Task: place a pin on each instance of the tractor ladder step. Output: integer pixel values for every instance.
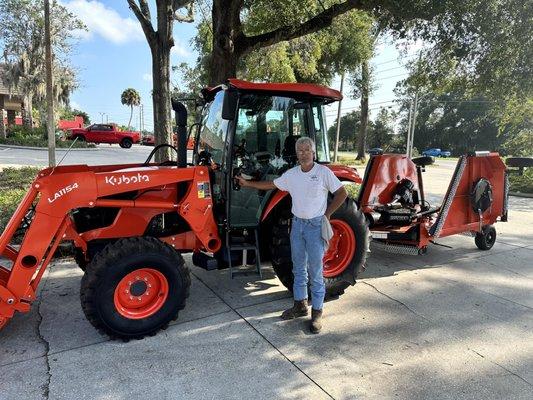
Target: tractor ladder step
(245, 240)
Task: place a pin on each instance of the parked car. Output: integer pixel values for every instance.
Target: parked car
(105, 133)
(375, 151)
(436, 153)
(149, 140)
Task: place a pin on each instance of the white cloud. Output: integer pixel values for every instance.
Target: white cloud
(147, 77)
(179, 50)
(105, 22)
(75, 105)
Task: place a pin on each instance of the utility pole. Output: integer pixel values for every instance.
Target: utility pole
(140, 119)
(50, 124)
(338, 122)
(409, 120)
(102, 115)
(413, 123)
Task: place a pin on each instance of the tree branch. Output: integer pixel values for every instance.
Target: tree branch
(143, 15)
(318, 22)
(189, 17)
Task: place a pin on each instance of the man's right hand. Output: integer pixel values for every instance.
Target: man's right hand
(242, 182)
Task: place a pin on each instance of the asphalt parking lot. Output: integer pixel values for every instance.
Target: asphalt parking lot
(456, 323)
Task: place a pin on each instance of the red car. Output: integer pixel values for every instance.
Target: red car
(149, 140)
(105, 133)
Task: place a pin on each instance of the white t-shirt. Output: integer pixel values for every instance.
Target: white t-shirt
(309, 190)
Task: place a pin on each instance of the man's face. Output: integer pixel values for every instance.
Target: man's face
(305, 154)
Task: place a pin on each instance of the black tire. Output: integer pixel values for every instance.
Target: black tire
(281, 250)
(80, 138)
(79, 257)
(111, 265)
(126, 143)
(486, 238)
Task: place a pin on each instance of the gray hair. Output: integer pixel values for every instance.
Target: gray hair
(305, 140)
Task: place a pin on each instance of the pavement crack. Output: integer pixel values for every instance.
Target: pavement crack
(266, 339)
(396, 301)
(502, 367)
(46, 386)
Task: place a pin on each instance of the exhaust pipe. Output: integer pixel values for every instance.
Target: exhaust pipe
(181, 133)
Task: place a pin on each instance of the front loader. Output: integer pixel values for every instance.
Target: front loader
(129, 224)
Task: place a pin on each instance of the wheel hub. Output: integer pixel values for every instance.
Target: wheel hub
(341, 249)
(141, 293)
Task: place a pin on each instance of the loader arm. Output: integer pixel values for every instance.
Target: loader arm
(58, 191)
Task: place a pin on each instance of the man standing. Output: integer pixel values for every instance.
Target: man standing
(308, 184)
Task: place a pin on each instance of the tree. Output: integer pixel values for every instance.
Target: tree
(349, 124)
(130, 97)
(160, 41)
(283, 20)
(22, 38)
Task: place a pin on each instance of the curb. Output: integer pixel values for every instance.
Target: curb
(518, 194)
(13, 146)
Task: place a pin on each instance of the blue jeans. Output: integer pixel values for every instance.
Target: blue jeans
(307, 248)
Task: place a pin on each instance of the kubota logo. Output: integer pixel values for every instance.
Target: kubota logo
(126, 180)
(61, 192)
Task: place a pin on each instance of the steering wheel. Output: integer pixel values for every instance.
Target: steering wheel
(204, 158)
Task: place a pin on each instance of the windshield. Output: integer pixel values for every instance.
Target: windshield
(272, 124)
(213, 129)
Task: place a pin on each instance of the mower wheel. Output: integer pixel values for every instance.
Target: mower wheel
(486, 238)
(134, 287)
(342, 261)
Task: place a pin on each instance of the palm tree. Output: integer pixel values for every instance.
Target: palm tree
(130, 97)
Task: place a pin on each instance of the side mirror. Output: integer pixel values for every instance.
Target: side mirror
(229, 105)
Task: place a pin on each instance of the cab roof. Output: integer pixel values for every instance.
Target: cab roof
(280, 89)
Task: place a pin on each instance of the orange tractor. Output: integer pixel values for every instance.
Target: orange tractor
(129, 224)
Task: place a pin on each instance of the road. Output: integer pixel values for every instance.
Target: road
(456, 323)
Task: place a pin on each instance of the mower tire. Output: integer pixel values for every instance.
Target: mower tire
(486, 238)
(134, 287)
(352, 225)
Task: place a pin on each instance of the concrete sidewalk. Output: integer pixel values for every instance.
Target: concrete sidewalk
(455, 324)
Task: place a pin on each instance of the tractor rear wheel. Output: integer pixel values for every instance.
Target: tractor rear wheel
(486, 238)
(134, 288)
(345, 257)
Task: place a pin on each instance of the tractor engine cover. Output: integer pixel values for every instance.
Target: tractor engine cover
(481, 195)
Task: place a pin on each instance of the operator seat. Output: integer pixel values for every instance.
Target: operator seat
(289, 149)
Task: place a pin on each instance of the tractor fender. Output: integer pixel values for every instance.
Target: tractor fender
(342, 172)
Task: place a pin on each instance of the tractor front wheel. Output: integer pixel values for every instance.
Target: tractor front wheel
(486, 238)
(134, 287)
(345, 257)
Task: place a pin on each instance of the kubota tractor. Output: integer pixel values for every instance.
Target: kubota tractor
(129, 224)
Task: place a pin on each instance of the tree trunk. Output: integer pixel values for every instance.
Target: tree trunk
(365, 87)
(226, 52)
(161, 98)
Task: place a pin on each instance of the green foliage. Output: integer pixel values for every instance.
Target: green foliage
(130, 97)
(353, 190)
(22, 40)
(522, 183)
(69, 114)
(14, 183)
(37, 137)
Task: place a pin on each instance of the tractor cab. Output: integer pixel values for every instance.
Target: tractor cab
(251, 129)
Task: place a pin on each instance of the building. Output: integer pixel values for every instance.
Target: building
(10, 104)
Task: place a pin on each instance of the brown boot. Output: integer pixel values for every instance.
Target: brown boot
(299, 309)
(316, 321)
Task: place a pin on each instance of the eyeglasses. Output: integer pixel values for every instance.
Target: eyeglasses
(304, 151)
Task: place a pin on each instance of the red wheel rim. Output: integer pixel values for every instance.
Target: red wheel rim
(341, 249)
(141, 293)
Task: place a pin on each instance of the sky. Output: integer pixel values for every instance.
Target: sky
(113, 55)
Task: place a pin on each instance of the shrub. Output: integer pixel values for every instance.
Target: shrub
(522, 183)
